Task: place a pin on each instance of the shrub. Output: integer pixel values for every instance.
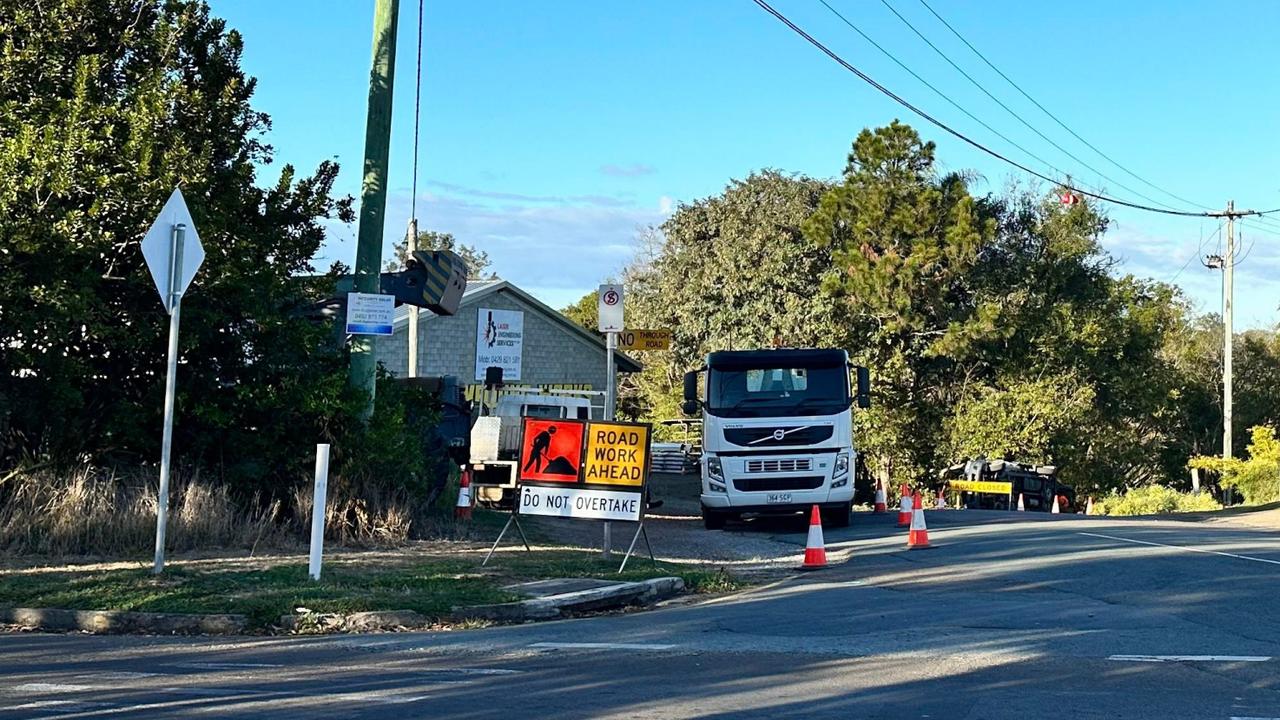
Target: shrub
(1155, 500)
(1257, 478)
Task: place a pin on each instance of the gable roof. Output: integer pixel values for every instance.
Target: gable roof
(477, 290)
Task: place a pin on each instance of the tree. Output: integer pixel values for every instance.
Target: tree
(585, 312)
(108, 106)
(905, 242)
(478, 261)
(731, 271)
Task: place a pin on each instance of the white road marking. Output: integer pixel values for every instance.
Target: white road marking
(119, 675)
(1233, 717)
(1190, 658)
(1183, 547)
(62, 706)
(600, 646)
(228, 666)
(41, 687)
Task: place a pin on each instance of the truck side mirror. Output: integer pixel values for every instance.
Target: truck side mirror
(690, 404)
(863, 398)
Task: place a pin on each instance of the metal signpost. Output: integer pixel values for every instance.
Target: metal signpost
(590, 470)
(609, 317)
(173, 253)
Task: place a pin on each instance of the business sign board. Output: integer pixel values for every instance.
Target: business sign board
(609, 308)
(982, 486)
(499, 342)
(644, 340)
(370, 314)
(583, 469)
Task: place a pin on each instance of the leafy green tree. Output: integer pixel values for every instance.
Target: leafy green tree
(105, 107)
(584, 312)
(731, 271)
(478, 262)
(906, 242)
(1258, 477)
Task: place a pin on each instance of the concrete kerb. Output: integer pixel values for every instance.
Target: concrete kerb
(119, 621)
(559, 605)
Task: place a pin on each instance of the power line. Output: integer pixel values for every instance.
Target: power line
(941, 94)
(1267, 222)
(1010, 110)
(1052, 116)
(957, 134)
(1195, 256)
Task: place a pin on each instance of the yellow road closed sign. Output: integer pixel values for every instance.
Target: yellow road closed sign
(645, 340)
(616, 454)
(982, 486)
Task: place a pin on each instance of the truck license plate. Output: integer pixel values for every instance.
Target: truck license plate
(778, 498)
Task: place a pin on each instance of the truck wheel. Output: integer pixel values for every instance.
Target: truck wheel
(712, 520)
(837, 517)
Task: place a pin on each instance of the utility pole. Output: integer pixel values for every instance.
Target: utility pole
(1228, 263)
(411, 246)
(1228, 328)
(373, 189)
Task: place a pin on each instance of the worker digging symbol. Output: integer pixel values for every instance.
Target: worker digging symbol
(551, 450)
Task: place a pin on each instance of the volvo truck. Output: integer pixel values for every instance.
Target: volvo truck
(777, 432)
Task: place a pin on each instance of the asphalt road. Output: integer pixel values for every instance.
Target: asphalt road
(1042, 618)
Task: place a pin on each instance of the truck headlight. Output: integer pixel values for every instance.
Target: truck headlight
(840, 476)
(715, 475)
(842, 465)
(715, 470)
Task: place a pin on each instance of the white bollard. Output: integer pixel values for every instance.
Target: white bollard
(318, 500)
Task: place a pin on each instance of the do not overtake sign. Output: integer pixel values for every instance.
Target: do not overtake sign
(589, 470)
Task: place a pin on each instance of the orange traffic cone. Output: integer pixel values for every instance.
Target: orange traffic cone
(1088, 509)
(1022, 507)
(941, 502)
(815, 551)
(1056, 510)
(881, 503)
(462, 511)
(904, 508)
(918, 537)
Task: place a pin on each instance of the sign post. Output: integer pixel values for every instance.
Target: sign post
(589, 470)
(173, 254)
(610, 320)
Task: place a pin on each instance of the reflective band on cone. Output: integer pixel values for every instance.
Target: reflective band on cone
(815, 551)
(918, 537)
(1022, 507)
(462, 511)
(1056, 510)
(881, 503)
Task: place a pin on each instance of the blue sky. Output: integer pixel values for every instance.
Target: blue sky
(552, 131)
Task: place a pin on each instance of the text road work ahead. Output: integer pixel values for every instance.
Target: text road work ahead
(616, 455)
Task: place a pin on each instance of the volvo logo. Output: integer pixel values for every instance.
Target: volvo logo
(779, 434)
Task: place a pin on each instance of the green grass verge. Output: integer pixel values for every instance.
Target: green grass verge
(429, 586)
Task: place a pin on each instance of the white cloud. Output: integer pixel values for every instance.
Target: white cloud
(665, 205)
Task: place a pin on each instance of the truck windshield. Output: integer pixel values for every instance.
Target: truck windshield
(770, 392)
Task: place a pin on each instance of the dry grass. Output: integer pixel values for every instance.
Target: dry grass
(93, 512)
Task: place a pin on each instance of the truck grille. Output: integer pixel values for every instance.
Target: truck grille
(765, 484)
(780, 465)
(792, 435)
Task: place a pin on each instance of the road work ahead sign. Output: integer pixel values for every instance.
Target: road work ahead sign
(577, 469)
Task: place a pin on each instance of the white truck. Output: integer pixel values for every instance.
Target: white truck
(777, 432)
(495, 438)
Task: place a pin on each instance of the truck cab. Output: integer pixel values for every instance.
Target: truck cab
(777, 432)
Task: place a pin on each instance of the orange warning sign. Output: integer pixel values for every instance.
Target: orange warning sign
(551, 450)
